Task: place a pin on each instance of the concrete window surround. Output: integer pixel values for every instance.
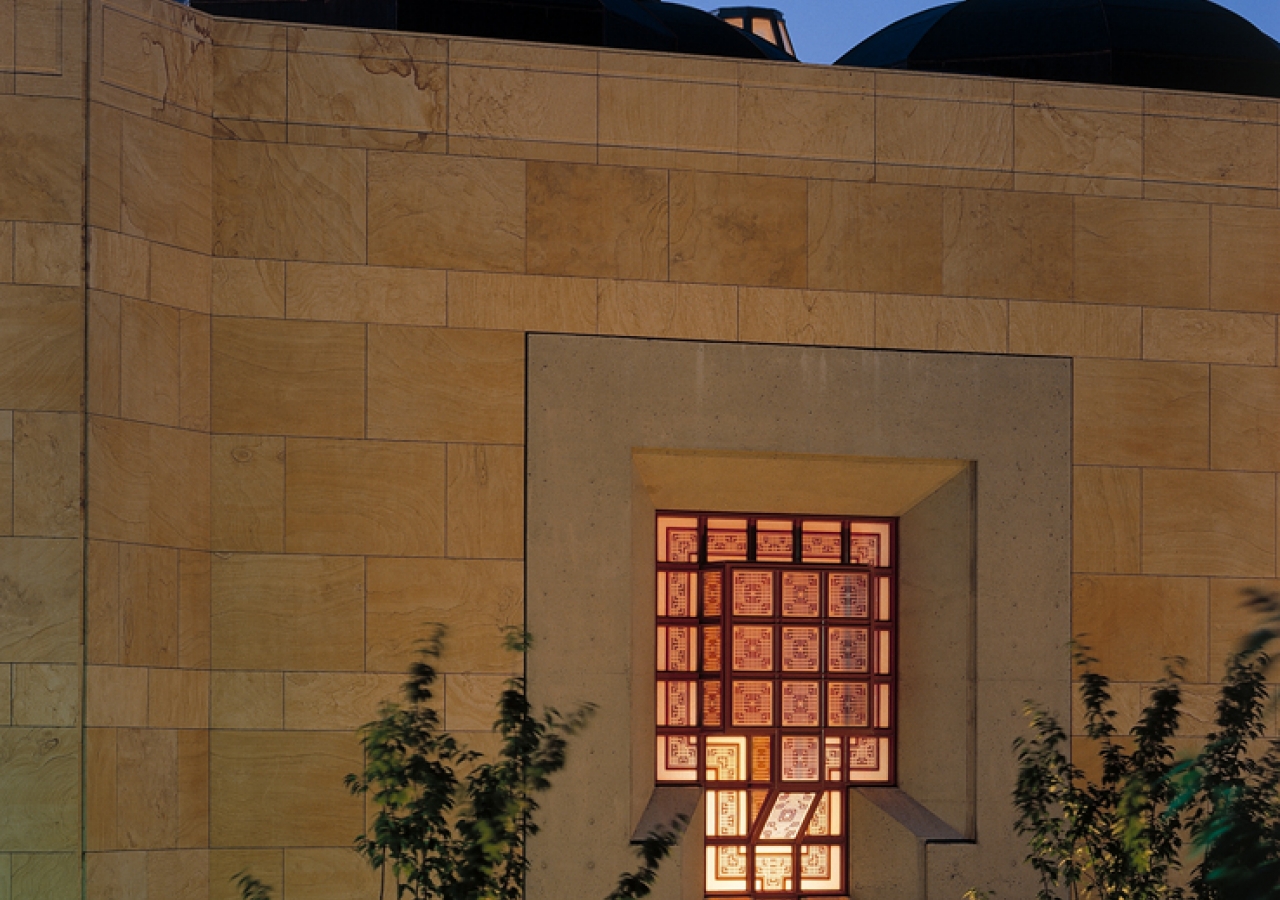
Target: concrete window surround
(972, 453)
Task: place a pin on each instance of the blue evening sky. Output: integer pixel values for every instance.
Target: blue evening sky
(824, 30)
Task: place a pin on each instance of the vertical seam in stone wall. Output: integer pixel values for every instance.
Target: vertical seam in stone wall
(86, 74)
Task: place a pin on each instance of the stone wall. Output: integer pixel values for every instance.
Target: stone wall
(313, 258)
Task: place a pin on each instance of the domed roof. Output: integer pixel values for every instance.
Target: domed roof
(1191, 45)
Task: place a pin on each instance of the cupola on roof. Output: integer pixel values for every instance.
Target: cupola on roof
(1192, 45)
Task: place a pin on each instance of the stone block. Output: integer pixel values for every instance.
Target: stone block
(1212, 151)
(1208, 523)
(665, 309)
(178, 698)
(115, 697)
(1215, 337)
(446, 212)
(248, 287)
(47, 253)
(522, 104)
(1107, 520)
(166, 184)
(6, 473)
(152, 484)
(37, 37)
(40, 783)
(738, 229)
(1001, 244)
(46, 474)
(149, 342)
(115, 876)
(1245, 259)
(106, 124)
(1141, 253)
(48, 876)
(41, 152)
(6, 251)
(248, 493)
(521, 302)
(451, 384)
(788, 316)
(104, 362)
(474, 600)
(41, 348)
(46, 695)
(365, 497)
(1063, 140)
(1075, 329)
(939, 323)
(485, 504)
(194, 367)
(471, 701)
(247, 700)
(408, 93)
(250, 82)
(102, 632)
(279, 377)
(40, 586)
(681, 115)
(267, 865)
(179, 874)
(193, 789)
(287, 612)
(1133, 624)
(1245, 403)
(287, 201)
(365, 294)
(1230, 619)
(100, 789)
(950, 133)
(334, 701)
(148, 606)
(1141, 413)
(328, 873)
(194, 600)
(119, 263)
(791, 122)
(181, 278)
(597, 221)
(6, 697)
(282, 788)
(147, 788)
(875, 237)
(177, 71)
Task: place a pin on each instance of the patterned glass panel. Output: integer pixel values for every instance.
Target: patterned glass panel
(800, 594)
(726, 539)
(774, 540)
(848, 595)
(821, 542)
(848, 705)
(761, 759)
(883, 706)
(730, 865)
(801, 649)
(682, 752)
(820, 824)
(726, 758)
(676, 648)
(786, 816)
(864, 753)
(752, 593)
(753, 648)
(882, 599)
(675, 594)
(833, 758)
(848, 650)
(677, 539)
(711, 704)
(774, 869)
(711, 648)
(727, 813)
(820, 867)
(864, 549)
(800, 701)
(883, 641)
(712, 589)
(753, 703)
(676, 704)
(800, 758)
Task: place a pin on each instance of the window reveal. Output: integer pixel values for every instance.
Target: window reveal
(776, 686)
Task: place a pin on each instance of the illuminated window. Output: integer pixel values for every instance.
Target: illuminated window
(775, 687)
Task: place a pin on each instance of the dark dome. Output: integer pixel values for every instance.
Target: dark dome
(1190, 45)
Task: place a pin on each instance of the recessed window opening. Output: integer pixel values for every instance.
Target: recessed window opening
(776, 687)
